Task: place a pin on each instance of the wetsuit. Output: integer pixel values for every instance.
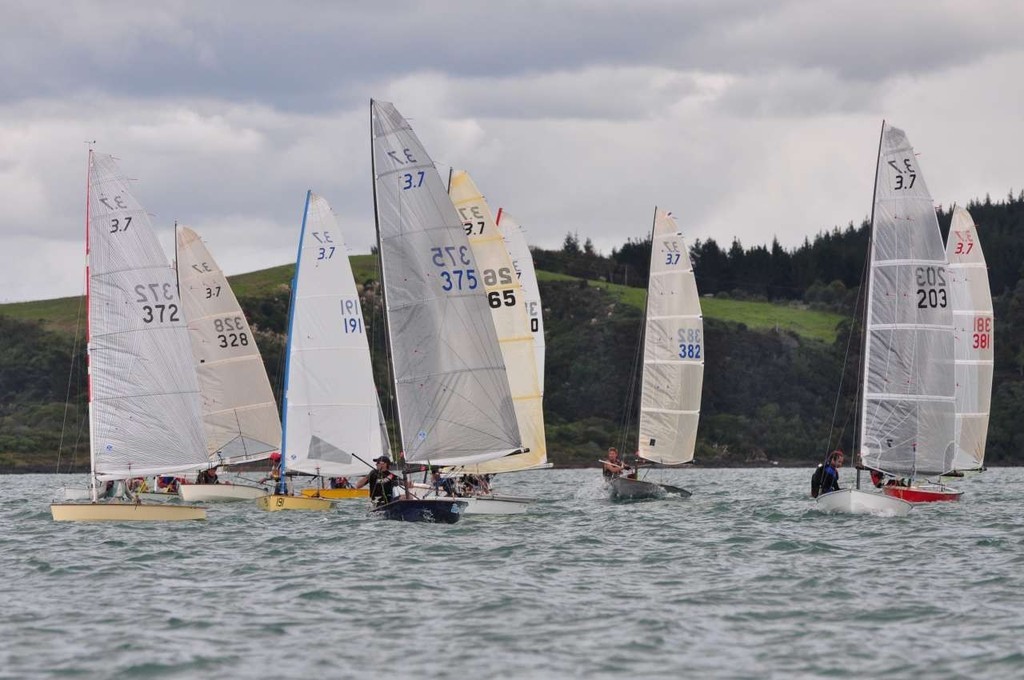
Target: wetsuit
(829, 478)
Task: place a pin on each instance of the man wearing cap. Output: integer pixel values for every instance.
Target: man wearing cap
(382, 482)
(275, 473)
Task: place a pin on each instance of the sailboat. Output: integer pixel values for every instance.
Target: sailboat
(974, 331)
(907, 414)
(673, 363)
(144, 414)
(332, 422)
(239, 411)
(513, 324)
(451, 390)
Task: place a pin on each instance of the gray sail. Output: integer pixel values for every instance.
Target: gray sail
(454, 402)
(908, 413)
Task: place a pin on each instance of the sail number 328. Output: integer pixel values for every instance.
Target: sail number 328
(931, 287)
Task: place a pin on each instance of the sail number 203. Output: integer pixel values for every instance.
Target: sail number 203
(931, 287)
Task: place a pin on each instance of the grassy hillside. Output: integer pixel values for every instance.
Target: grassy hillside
(63, 313)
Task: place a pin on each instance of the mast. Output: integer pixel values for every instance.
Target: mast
(88, 326)
(389, 351)
(282, 485)
(859, 434)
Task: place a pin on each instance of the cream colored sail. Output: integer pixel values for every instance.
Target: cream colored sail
(673, 371)
(239, 410)
(505, 296)
(522, 260)
(973, 331)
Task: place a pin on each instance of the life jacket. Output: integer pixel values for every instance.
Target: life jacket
(816, 480)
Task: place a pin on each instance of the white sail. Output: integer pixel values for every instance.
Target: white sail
(505, 297)
(239, 410)
(331, 414)
(673, 356)
(144, 397)
(908, 412)
(453, 399)
(973, 334)
(522, 261)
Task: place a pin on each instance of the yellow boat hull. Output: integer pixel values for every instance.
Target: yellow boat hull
(337, 494)
(278, 502)
(125, 512)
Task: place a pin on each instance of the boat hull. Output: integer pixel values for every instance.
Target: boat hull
(626, 489)
(438, 511)
(337, 494)
(277, 502)
(221, 492)
(496, 505)
(857, 502)
(125, 512)
(923, 494)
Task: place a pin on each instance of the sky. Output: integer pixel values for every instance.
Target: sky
(748, 119)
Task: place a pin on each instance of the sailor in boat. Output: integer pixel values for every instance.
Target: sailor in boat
(340, 483)
(275, 471)
(442, 486)
(208, 476)
(168, 484)
(382, 482)
(613, 467)
(830, 472)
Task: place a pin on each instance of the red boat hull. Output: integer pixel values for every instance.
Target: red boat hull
(916, 494)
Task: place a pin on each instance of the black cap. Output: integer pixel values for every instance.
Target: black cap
(382, 458)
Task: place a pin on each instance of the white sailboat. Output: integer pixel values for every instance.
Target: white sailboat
(332, 422)
(907, 415)
(974, 331)
(144, 415)
(239, 412)
(452, 394)
(513, 324)
(673, 362)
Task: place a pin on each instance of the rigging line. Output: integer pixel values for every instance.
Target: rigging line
(71, 375)
(846, 358)
(637, 364)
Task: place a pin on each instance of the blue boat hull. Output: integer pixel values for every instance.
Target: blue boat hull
(437, 510)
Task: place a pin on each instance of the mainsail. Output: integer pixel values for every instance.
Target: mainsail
(505, 297)
(522, 261)
(673, 355)
(973, 334)
(908, 409)
(332, 422)
(453, 399)
(144, 397)
(239, 410)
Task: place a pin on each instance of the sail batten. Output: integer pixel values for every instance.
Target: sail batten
(439, 323)
(673, 353)
(908, 412)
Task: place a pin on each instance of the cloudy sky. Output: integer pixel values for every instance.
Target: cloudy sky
(746, 118)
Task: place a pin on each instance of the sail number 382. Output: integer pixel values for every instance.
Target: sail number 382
(931, 287)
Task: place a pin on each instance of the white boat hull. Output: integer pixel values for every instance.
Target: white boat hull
(495, 505)
(221, 492)
(857, 502)
(125, 512)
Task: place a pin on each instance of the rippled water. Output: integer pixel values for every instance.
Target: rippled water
(743, 580)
